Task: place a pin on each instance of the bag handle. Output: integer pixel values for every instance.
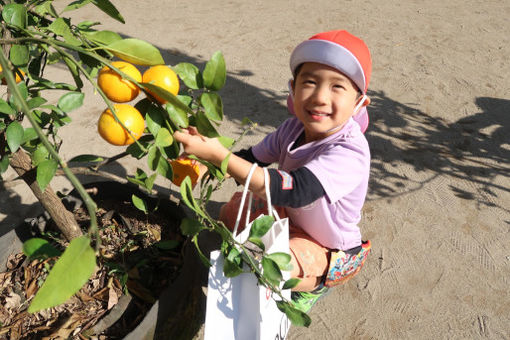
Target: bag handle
(271, 210)
(243, 198)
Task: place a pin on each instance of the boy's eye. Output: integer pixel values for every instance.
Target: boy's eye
(308, 81)
(338, 86)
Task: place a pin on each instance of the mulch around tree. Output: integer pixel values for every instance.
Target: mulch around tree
(140, 256)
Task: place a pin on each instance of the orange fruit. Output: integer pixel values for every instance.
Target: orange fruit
(17, 76)
(113, 132)
(183, 167)
(162, 76)
(115, 88)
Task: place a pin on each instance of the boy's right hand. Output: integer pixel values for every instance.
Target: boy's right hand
(208, 149)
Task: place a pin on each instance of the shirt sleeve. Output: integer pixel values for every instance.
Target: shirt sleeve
(294, 189)
(247, 155)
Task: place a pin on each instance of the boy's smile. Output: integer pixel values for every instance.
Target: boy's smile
(324, 99)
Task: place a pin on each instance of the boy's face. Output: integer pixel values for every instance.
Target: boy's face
(324, 99)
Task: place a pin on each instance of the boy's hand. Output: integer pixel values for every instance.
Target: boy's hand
(208, 149)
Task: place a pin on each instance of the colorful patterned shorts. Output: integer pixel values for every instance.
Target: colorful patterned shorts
(343, 266)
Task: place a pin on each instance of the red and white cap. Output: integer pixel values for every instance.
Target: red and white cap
(340, 50)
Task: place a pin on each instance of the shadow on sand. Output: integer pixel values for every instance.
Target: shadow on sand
(473, 149)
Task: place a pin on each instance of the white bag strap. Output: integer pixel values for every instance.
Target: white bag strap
(271, 210)
(243, 198)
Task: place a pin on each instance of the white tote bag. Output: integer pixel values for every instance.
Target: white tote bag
(239, 308)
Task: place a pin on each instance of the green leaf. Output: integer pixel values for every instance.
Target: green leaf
(4, 164)
(140, 204)
(135, 181)
(224, 164)
(291, 283)
(45, 172)
(149, 182)
(167, 244)
(186, 100)
(19, 55)
(171, 152)
(213, 105)
(190, 75)
(67, 276)
(87, 24)
(107, 7)
(48, 84)
(15, 14)
(258, 242)
(231, 269)
(153, 157)
(36, 102)
(70, 101)
(187, 195)
(75, 5)
(165, 95)
(29, 135)
(46, 8)
(234, 256)
(39, 248)
(164, 138)
(40, 154)
(158, 162)
(177, 115)
(190, 227)
(86, 159)
(136, 51)
(204, 126)
(296, 317)
(271, 270)
(6, 108)
(261, 225)
(281, 259)
(14, 135)
(139, 178)
(71, 65)
(103, 37)
(61, 27)
(202, 257)
(13, 100)
(226, 141)
(154, 119)
(215, 72)
(136, 151)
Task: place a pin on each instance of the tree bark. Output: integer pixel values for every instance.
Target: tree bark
(64, 219)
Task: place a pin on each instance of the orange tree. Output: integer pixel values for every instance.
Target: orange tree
(34, 34)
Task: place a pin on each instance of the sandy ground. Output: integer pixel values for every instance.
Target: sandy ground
(438, 211)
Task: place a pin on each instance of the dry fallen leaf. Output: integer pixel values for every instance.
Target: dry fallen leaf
(113, 298)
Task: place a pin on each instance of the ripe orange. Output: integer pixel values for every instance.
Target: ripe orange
(183, 167)
(115, 88)
(17, 76)
(162, 76)
(113, 132)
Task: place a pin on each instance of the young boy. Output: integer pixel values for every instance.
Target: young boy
(323, 162)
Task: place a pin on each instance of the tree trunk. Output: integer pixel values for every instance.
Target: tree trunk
(21, 163)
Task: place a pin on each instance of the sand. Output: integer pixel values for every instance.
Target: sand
(437, 213)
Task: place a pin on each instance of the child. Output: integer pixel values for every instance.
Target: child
(323, 162)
